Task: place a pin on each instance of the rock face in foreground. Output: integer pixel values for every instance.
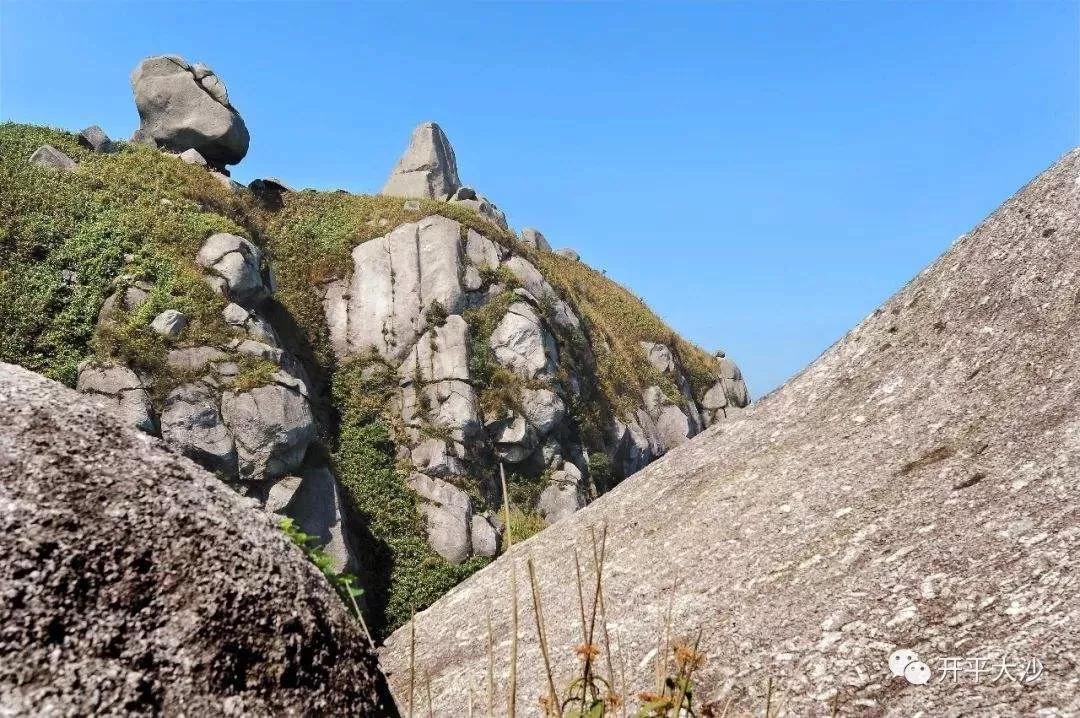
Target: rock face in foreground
(132, 581)
(916, 487)
(186, 107)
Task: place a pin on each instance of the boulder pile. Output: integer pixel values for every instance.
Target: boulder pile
(407, 300)
(415, 299)
(257, 435)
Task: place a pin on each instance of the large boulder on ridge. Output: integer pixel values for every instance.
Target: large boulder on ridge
(184, 106)
(428, 168)
(132, 581)
(914, 488)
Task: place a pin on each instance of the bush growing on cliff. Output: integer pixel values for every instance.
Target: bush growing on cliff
(70, 239)
(65, 237)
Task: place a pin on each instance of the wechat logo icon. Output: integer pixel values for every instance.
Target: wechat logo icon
(905, 663)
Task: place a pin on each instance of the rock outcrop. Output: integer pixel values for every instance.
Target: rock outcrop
(315, 503)
(94, 138)
(470, 348)
(52, 158)
(257, 432)
(409, 300)
(131, 581)
(913, 488)
(183, 106)
(122, 388)
(428, 169)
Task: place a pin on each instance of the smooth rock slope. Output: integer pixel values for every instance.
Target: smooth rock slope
(134, 582)
(915, 487)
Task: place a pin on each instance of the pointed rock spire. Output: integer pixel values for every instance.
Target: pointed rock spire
(428, 168)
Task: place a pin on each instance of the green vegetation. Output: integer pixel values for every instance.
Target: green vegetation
(524, 524)
(401, 571)
(311, 237)
(68, 240)
(67, 237)
(616, 322)
(254, 372)
(344, 583)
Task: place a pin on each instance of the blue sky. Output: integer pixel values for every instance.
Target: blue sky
(763, 174)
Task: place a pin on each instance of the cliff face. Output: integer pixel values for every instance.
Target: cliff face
(361, 363)
(914, 488)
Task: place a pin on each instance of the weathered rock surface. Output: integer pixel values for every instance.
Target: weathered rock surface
(522, 344)
(272, 426)
(314, 501)
(428, 168)
(535, 239)
(434, 458)
(122, 389)
(544, 409)
(480, 204)
(514, 439)
(396, 279)
(186, 107)
(94, 138)
(236, 267)
(406, 299)
(447, 514)
(191, 423)
(251, 323)
(269, 190)
(170, 323)
(539, 290)
(192, 157)
(486, 539)
(134, 582)
(913, 488)
(194, 359)
(49, 156)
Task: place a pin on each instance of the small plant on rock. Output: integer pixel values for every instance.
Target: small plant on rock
(344, 583)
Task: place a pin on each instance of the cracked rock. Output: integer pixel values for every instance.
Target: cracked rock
(447, 512)
(395, 280)
(427, 169)
(251, 323)
(314, 501)
(272, 426)
(191, 422)
(522, 344)
(183, 107)
(121, 388)
(236, 268)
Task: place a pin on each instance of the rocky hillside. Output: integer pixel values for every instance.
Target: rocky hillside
(914, 488)
(132, 582)
(361, 363)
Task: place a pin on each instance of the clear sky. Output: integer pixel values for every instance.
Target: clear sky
(763, 174)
